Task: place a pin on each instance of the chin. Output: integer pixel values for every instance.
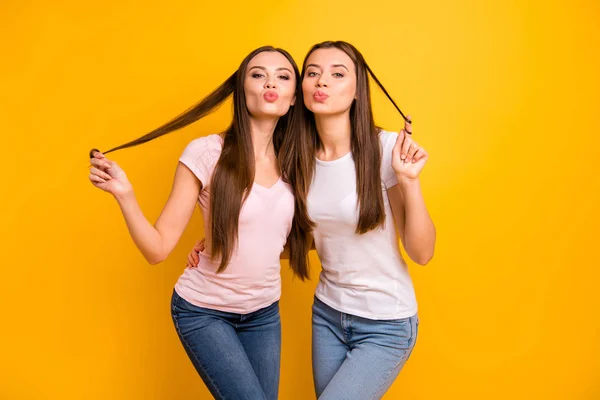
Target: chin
(322, 109)
(317, 107)
(268, 112)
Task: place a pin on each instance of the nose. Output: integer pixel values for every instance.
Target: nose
(321, 82)
(270, 84)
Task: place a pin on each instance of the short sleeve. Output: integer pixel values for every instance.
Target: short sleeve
(388, 141)
(201, 156)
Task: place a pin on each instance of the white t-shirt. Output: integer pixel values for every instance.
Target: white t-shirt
(363, 275)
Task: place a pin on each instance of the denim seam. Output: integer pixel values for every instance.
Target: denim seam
(400, 361)
(185, 343)
(346, 326)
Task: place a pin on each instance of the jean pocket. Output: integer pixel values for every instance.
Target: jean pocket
(400, 332)
(180, 305)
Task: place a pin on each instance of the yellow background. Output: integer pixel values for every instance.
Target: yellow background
(505, 95)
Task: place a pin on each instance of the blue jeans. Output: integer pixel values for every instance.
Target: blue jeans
(237, 355)
(356, 358)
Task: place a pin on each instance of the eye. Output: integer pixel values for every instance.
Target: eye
(257, 75)
(338, 75)
(284, 77)
(311, 74)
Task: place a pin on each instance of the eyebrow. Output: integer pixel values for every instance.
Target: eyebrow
(334, 65)
(264, 69)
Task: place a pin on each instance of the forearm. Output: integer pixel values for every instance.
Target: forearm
(419, 231)
(145, 236)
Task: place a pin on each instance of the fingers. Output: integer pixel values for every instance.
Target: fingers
(200, 245)
(98, 182)
(419, 155)
(193, 259)
(190, 260)
(407, 149)
(99, 173)
(408, 125)
(194, 256)
(96, 179)
(101, 163)
(398, 146)
(94, 153)
(411, 152)
(405, 145)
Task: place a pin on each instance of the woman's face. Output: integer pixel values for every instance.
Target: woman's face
(329, 82)
(269, 85)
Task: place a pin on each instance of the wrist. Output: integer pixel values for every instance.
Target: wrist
(125, 196)
(407, 183)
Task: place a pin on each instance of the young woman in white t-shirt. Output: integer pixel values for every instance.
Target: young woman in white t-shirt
(362, 192)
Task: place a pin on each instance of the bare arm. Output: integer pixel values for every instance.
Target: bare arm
(415, 227)
(155, 242)
(413, 222)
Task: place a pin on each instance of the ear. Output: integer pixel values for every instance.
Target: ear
(293, 103)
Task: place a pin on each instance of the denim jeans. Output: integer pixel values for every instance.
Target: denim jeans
(236, 355)
(356, 358)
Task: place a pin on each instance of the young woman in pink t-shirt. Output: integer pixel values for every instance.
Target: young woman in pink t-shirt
(226, 309)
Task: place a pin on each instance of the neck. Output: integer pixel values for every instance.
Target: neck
(261, 131)
(335, 134)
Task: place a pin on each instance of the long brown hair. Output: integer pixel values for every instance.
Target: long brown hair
(234, 172)
(299, 157)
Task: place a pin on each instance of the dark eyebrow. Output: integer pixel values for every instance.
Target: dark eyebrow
(264, 69)
(257, 67)
(340, 65)
(334, 66)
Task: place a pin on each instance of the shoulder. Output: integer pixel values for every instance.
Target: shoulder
(207, 144)
(201, 156)
(206, 148)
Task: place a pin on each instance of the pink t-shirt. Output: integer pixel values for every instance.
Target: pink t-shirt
(252, 279)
